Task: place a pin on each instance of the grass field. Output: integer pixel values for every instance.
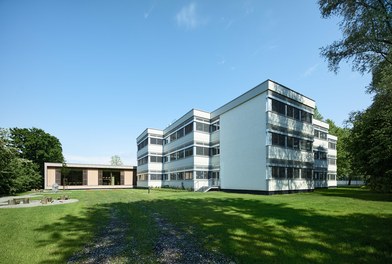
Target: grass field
(344, 225)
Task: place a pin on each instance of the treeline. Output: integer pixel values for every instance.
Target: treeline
(23, 152)
(367, 43)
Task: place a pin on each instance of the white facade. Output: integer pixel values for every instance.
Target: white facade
(263, 141)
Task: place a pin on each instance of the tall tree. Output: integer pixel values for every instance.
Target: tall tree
(367, 33)
(370, 143)
(38, 146)
(367, 41)
(116, 160)
(317, 115)
(16, 174)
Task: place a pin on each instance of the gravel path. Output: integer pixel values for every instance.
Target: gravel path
(108, 246)
(172, 246)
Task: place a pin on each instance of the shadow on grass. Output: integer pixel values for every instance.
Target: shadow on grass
(70, 234)
(356, 193)
(245, 230)
(252, 231)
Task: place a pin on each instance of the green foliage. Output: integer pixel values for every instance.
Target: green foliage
(367, 41)
(367, 33)
(16, 174)
(116, 161)
(24, 176)
(317, 115)
(371, 142)
(344, 161)
(38, 146)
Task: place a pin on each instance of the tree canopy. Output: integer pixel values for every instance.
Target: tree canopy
(116, 160)
(367, 33)
(344, 161)
(367, 41)
(16, 174)
(37, 146)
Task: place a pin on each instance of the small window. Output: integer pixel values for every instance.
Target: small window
(278, 107)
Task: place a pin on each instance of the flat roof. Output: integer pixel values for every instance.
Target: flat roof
(90, 166)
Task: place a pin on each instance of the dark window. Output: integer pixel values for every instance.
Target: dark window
(188, 128)
(331, 145)
(202, 127)
(296, 173)
(306, 174)
(180, 154)
(306, 117)
(202, 151)
(142, 144)
(214, 151)
(215, 127)
(278, 172)
(290, 173)
(278, 140)
(189, 152)
(306, 145)
(278, 107)
(173, 137)
(156, 177)
(156, 159)
(180, 133)
(201, 174)
(142, 161)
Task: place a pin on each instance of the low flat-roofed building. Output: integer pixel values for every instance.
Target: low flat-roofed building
(89, 176)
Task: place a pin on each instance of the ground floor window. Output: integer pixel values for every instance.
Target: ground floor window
(155, 177)
(201, 175)
(278, 172)
(74, 177)
(320, 175)
(142, 177)
(111, 177)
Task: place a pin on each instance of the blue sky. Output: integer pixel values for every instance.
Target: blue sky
(95, 74)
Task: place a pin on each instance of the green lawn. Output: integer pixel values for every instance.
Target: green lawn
(344, 225)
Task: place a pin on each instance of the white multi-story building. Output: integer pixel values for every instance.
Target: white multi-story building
(264, 141)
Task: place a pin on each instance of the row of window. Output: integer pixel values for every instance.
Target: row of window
(156, 159)
(320, 134)
(318, 155)
(290, 111)
(323, 176)
(181, 154)
(142, 161)
(189, 128)
(291, 142)
(332, 161)
(184, 153)
(181, 132)
(142, 144)
(290, 173)
(178, 176)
